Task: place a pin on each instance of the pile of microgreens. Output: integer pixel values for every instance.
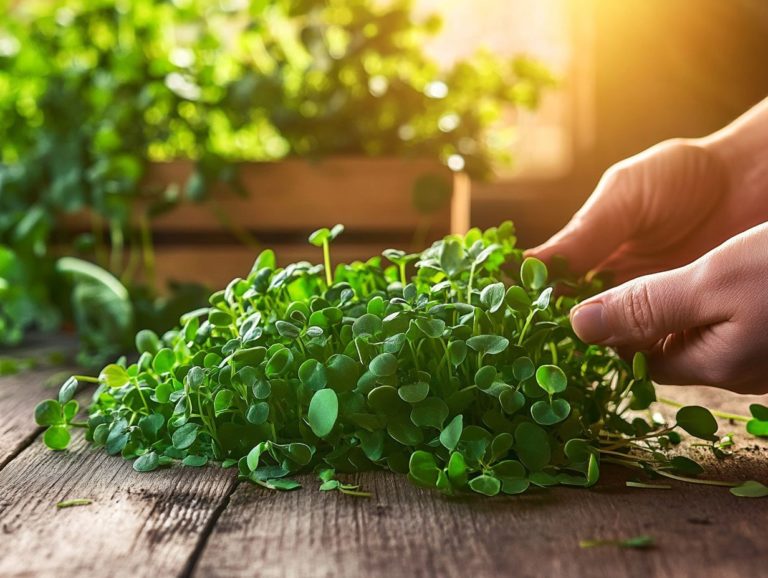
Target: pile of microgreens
(465, 376)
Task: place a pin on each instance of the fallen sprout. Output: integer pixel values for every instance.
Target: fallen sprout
(466, 376)
(73, 503)
(639, 542)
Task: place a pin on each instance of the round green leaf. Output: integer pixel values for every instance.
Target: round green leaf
(545, 413)
(533, 273)
(488, 344)
(492, 297)
(517, 298)
(414, 393)
(185, 436)
(551, 379)
(147, 341)
(451, 434)
(114, 376)
(312, 374)
(532, 445)
(383, 365)
(323, 412)
(146, 462)
(57, 437)
(163, 361)
(697, 421)
(639, 366)
(49, 412)
(430, 413)
(486, 485)
(750, 489)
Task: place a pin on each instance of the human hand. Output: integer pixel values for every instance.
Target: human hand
(704, 323)
(670, 204)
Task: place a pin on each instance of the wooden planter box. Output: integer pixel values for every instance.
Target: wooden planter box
(374, 198)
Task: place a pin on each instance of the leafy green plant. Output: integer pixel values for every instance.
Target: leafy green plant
(156, 80)
(467, 377)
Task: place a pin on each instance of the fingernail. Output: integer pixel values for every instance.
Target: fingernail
(589, 324)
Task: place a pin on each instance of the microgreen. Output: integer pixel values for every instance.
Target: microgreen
(466, 376)
(74, 503)
(639, 542)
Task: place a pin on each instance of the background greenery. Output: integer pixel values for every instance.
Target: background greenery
(91, 92)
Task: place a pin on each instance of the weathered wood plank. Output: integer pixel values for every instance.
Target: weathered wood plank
(138, 524)
(405, 531)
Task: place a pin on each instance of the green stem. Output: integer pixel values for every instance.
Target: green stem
(403, 280)
(525, 327)
(327, 259)
(696, 480)
(720, 414)
(469, 284)
(86, 378)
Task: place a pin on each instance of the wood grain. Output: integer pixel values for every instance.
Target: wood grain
(138, 524)
(405, 531)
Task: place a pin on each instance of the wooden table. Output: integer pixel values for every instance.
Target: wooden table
(203, 522)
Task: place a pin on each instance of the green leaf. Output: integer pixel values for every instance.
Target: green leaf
(49, 412)
(67, 391)
(150, 425)
(542, 301)
(283, 484)
(185, 436)
(57, 437)
(551, 379)
(451, 434)
(523, 368)
(431, 412)
(317, 238)
(750, 489)
(383, 365)
(488, 344)
(147, 462)
(550, 413)
(533, 274)
(697, 421)
(312, 374)
(147, 341)
(114, 376)
(323, 412)
(757, 428)
(532, 445)
(639, 366)
(457, 352)
(222, 401)
(486, 485)
(759, 412)
(414, 393)
(258, 413)
(195, 461)
(517, 298)
(452, 258)
(423, 468)
(164, 361)
(492, 297)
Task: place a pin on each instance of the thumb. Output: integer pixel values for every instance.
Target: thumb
(639, 313)
(605, 221)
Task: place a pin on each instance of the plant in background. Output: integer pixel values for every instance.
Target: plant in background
(466, 376)
(91, 92)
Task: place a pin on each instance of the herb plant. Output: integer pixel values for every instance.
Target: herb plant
(465, 375)
(156, 80)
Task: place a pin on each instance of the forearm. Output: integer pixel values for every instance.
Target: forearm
(743, 145)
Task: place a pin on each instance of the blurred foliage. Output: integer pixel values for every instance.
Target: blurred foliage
(93, 90)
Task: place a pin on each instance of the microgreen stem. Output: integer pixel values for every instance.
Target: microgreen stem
(525, 327)
(469, 284)
(86, 378)
(720, 414)
(696, 480)
(327, 259)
